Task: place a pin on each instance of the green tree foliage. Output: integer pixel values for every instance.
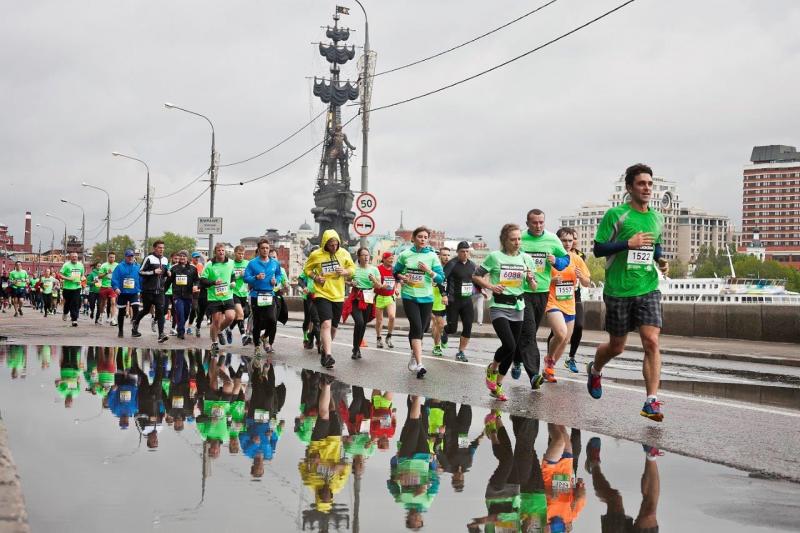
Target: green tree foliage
(117, 245)
(711, 263)
(677, 269)
(597, 268)
(173, 243)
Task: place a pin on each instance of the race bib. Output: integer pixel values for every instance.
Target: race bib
(562, 483)
(98, 283)
(329, 267)
(641, 258)
(539, 261)
(386, 421)
(463, 441)
(511, 276)
(261, 415)
(368, 295)
(389, 282)
(238, 272)
(564, 290)
(48, 285)
(466, 289)
(125, 396)
(181, 279)
(177, 402)
(5, 285)
(415, 278)
(221, 290)
(76, 274)
(217, 411)
(264, 299)
(237, 427)
(128, 283)
(72, 384)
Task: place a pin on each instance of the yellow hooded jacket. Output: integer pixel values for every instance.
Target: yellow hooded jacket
(324, 263)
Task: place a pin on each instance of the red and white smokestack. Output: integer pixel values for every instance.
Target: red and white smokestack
(28, 228)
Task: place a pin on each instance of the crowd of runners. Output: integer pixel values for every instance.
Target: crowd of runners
(532, 280)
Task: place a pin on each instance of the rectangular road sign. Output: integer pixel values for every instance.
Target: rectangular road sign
(209, 225)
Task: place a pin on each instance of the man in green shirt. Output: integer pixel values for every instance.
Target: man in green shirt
(547, 253)
(108, 297)
(629, 237)
(241, 295)
(18, 278)
(48, 286)
(94, 281)
(71, 276)
(217, 278)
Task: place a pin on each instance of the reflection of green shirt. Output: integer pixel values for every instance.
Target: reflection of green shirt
(69, 383)
(360, 444)
(72, 272)
(214, 271)
(237, 412)
(16, 357)
(106, 269)
(533, 508)
(215, 425)
(240, 287)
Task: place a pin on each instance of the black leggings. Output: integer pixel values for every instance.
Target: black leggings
(460, 307)
(360, 318)
(202, 305)
(154, 300)
(418, 314)
(72, 303)
(48, 303)
(508, 332)
(264, 319)
(310, 317)
(577, 331)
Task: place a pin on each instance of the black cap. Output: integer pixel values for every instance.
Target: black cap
(463, 245)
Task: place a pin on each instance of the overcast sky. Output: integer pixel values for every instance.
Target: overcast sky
(686, 86)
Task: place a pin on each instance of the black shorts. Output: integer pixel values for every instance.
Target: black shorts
(124, 299)
(220, 307)
(328, 310)
(443, 312)
(624, 315)
(240, 300)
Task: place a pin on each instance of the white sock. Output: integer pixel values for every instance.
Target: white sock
(595, 372)
(651, 398)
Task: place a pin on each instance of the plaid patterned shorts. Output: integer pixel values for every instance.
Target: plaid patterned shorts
(624, 315)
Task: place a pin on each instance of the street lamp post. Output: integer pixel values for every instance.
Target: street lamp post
(65, 229)
(108, 214)
(52, 236)
(146, 198)
(214, 161)
(365, 110)
(83, 225)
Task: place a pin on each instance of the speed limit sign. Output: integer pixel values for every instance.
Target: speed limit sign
(366, 202)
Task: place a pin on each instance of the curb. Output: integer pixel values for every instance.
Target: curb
(13, 517)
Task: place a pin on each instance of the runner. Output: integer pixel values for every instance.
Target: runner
(94, 281)
(439, 309)
(240, 296)
(329, 267)
(18, 278)
(560, 308)
(418, 268)
(71, 276)
(169, 303)
(199, 297)
(183, 281)
(262, 275)
(385, 299)
(107, 295)
(577, 329)
(310, 316)
(153, 273)
(217, 278)
(365, 280)
(510, 273)
(547, 253)
(125, 282)
(48, 283)
(283, 286)
(5, 289)
(566, 494)
(36, 292)
(458, 274)
(630, 237)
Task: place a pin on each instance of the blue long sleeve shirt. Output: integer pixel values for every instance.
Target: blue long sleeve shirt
(125, 271)
(270, 268)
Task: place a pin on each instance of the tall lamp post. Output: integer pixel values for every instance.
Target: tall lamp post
(108, 214)
(214, 162)
(83, 225)
(146, 198)
(52, 236)
(65, 229)
(365, 98)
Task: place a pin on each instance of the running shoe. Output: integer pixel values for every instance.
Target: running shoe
(499, 394)
(549, 375)
(135, 333)
(229, 336)
(412, 364)
(20, 312)
(181, 336)
(379, 343)
(516, 370)
(356, 354)
(421, 371)
(490, 422)
(536, 381)
(652, 451)
(437, 351)
(592, 454)
(593, 383)
(327, 361)
(119, 334)
(173, 332)
(389, 342)
(570, 365)
(214, 347)
(460, 356)
(162, 339)
(74, 324)
(491, 378)
(257, 351)
(269, 349)
(189, 330)
(113, 321)
(652, 410)
(246, 339)
(308, 345)
(221, 339)
(444, 346)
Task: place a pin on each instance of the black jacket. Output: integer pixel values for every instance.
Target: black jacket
(182, 291)
(151, 282)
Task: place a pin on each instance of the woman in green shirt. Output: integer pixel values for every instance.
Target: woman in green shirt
(506, 273)
(365, 280)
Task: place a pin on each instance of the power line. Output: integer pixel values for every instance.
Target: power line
(184, 187)
(132, 223)
(129, 212)
(268, 150)
(193, 200)
(278, 169)
(465, 43)
(504, 63)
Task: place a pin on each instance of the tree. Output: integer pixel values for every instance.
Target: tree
(173, 243)
(677, 269)
(117, 245)
(597, 268)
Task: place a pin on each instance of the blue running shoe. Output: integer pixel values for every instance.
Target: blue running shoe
(652, 451)
(516, 370)
(570, 365)
(652, 410)
(592, 454)
(593, 383)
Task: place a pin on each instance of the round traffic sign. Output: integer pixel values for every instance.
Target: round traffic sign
(363, 225)
(366, 202)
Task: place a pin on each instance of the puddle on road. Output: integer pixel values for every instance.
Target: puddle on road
(141, 439)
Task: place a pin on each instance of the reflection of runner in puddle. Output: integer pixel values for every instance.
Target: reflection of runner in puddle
(215, 401)
(382, 418)
(325, 469)
(18, 362)
(68, 382)
(122, 398)
(182, 390)
(358, 444)
(262, 429)
(615, 520)
(515, 494)
(457, 450)
(414, 481)
(150, 416)
(566, 495)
